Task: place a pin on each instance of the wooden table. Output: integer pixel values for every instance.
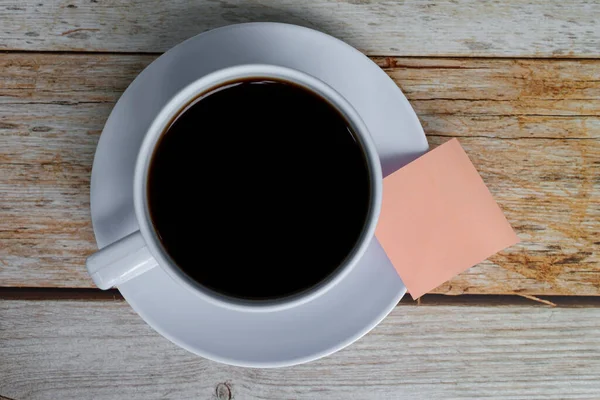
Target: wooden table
(517, 81)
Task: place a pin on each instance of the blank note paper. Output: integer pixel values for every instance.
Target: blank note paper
(438, 219)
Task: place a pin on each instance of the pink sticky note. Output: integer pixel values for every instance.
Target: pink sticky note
(438, 219)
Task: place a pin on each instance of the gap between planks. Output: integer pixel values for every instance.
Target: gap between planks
(371, 56)
(91, 294)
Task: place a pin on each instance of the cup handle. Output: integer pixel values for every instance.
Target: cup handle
(120, 261)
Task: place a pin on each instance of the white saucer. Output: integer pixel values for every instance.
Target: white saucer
(270, 339)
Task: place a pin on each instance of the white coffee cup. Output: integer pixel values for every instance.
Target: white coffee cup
(141, 250)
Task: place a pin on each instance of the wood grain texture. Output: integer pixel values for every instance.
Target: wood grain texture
(518, 28)
(102, 350)
(531, 127)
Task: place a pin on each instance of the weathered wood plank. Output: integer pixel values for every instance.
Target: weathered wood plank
(538, 28)
(102, 350)
(532, 128)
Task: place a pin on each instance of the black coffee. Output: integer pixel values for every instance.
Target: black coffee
(260, 190)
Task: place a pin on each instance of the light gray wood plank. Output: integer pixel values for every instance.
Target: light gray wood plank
(532, 128)
(534, 28)
(103, 350)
